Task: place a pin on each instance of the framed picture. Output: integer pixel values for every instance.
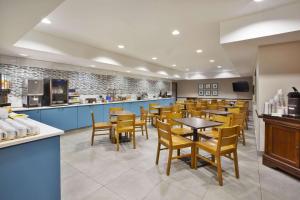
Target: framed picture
(215, 86)
(215, 93)
(207, 85)
(201, 86)
(207, 93)
(201, 93)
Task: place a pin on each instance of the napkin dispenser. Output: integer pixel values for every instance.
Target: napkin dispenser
(294, 103)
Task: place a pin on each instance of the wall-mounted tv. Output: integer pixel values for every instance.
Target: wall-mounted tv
(240, 86)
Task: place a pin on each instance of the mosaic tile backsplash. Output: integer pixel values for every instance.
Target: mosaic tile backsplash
(85, 83)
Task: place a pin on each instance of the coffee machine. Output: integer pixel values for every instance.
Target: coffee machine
(32, 92)
(294, 103)
(5, 83)
(55, 92)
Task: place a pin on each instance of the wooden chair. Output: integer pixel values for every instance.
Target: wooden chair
(176, 108)
(212, 106)
(163, 113)
(234, 110)
(100, 127)
(225, 145)
(153, 112)
(125, 124)
(142, 122)
(238, 119)
(177, 128)
(214, 132)
(113, 119)
(197, 113)
(172, 142)
(190, 107)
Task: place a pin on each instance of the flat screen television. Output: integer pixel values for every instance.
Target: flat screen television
(240, 86)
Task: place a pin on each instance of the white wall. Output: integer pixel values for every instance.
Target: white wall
(189, 88)
(278, 68)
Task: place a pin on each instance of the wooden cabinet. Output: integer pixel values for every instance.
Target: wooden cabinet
(282, 142)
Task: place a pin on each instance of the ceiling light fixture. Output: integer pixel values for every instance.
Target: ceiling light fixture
(46, 21)
(154, 58)
(219, 67)
(120, 46)
(23, 54)
(174, 65)
(92, 65)
(128, 71)
(257, 0)
(175, 32)
(187, 69)
(199, 51)
(212, 61)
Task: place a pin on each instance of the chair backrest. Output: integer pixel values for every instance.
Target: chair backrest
(176, 108)
(151, 107)
(115, 109)
(197, 113)
(165, 110)
(125, 121)
(171, 117)
(93, 120)
(143, 114)
(228, 137)
(164, 132)
(212, 106)
(234, 110)
(238, 119)
(190, 106)
(226, 120)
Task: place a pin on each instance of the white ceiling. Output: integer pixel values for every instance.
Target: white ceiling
(145, 27)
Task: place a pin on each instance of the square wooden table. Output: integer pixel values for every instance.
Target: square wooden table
(197, 123)
(217, 112)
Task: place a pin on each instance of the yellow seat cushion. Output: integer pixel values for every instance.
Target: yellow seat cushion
(178, 141)
(124, 129)
(212, 133)
(211, 146)
(103, 125)
(139, 122)
(181, 131)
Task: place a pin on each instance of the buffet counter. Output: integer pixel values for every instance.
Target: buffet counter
(30, 166)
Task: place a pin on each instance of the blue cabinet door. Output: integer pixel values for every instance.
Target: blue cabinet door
(62, 118)
(98, 112)
(84, 116)
(32, 114)
(106, 108)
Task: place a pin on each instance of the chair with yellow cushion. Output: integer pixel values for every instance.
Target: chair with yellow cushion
(100, 127)
(125, 124)
(152, 112)
(176, 108)
(142, 122)
(163, 113)
(238, 119)
(172, 142)
(177, 128)
(198, 113)
(224, 145)
(233, 110)
(213, 133)
(190, 107)
(113, 119)
(212, 106)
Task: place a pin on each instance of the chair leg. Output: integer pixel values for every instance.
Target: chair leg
(236, 165)
(243, 136)
(146, 128)
(117, 141)
(142, 128)
(193, 157)
(133, 139)
(169, 161)
(157, 153)
(93, 135)
(219, 168)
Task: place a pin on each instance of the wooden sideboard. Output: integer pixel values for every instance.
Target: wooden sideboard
(282, 144)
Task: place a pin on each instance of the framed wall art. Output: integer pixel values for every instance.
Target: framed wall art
(215, 86)
(215, 93)
(207, 86)
(201, 93)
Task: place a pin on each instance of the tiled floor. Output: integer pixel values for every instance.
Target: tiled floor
(99, 172)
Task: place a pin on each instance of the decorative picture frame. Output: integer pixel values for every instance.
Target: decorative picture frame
(201, 93)
(215, 93)
(201, 86)
(215, 86)
(207, 86)
(207, 93)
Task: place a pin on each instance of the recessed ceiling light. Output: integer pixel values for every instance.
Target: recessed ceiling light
(187, 69)
(199, 51)
(154, 58)
(258, 0)
(212, 60)
(142, 69)
(128, 71)
(92, 65)
(219, 67)
(46, 21)
(176, 76)
(120, 46)
(23, 54)
(174, 65)
(175, 32)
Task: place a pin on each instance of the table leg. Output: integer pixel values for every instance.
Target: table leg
(195, 139)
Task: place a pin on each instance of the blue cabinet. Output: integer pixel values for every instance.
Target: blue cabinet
(84, 115)
(62, 118)
(33, 114)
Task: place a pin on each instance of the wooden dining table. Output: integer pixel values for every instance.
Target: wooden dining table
(217, 112)
(197, 123)
(160, 107)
